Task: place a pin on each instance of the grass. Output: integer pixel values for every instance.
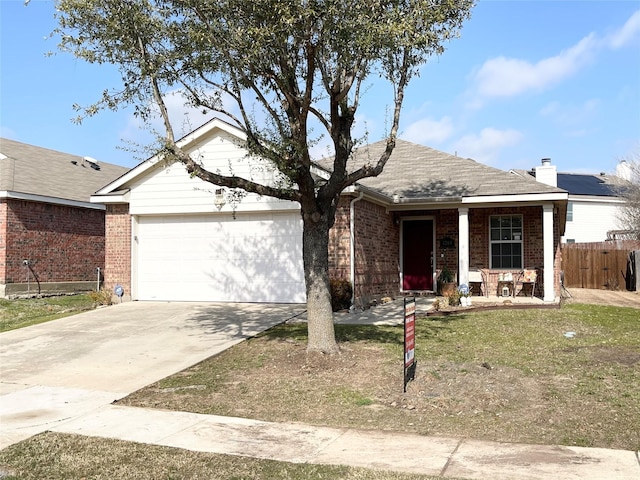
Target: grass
(505, 375)
(57, 456)
(23, 312)
(502, 375)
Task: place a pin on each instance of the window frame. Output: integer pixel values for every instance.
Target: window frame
(569, 211)
(504, 241)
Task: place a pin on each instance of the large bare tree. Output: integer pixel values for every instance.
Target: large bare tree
(629, 189)
(289, 73)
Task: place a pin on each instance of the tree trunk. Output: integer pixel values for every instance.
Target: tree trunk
(315, 254)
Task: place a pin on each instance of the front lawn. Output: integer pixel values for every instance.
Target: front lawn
(506, 375)
(23, 312)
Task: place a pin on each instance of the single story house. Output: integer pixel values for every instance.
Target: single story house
(595, 200)
(173, 237)
(51, 235)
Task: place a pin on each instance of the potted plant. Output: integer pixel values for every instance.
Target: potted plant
(446, 282)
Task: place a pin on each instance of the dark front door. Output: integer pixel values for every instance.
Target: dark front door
(417, 255)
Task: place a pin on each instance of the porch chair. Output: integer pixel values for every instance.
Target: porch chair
(528, 276)
(477, 279)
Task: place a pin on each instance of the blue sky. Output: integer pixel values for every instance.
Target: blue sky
(526, 80)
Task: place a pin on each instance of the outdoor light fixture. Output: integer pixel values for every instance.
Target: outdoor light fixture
(219, 200)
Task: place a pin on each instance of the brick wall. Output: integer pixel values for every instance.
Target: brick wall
(532, 239)
(62, 243)
(339, 243)
(376, 250)
(118, 248)
(3, 241)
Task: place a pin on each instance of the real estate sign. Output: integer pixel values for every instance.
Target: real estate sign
(409, 340)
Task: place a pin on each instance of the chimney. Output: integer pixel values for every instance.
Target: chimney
(623, 170)
(547, 173)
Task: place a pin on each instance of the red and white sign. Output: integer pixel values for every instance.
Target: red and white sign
(409, 332)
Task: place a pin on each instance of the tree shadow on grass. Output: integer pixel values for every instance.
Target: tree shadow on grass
(435, 328)
(425, 328)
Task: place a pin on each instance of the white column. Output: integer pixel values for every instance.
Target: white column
(547, 231)
(463, 246)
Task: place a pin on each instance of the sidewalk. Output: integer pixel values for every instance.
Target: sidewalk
(446, 457)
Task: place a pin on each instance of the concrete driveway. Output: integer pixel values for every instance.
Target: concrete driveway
(59, 370)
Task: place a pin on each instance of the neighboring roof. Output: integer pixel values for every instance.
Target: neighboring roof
(415, 172)
(580, 184)
(601, 185)
(35, 171)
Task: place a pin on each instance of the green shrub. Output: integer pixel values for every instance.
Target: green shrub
(341, 293)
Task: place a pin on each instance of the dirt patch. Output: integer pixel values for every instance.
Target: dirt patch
(609, 355)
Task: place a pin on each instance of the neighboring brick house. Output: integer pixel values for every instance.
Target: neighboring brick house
(51, 236)
(173, 237)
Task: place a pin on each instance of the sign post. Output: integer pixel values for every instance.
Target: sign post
(409, 340)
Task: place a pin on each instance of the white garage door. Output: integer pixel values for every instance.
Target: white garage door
(253, 258)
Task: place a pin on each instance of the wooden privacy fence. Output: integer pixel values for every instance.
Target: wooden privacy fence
(600, 265)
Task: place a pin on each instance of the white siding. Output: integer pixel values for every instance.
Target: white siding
(168, 189)
(592, 219)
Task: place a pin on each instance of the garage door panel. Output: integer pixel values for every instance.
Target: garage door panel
(216, 258)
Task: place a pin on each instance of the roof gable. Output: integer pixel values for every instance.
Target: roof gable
(30, 170)
(190, 141)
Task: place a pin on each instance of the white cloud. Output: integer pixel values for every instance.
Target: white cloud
(506, 77)
(486, 146)
(428, 131)
(625, 35)
(572, 117)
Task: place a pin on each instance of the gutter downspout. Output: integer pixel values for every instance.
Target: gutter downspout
(352, 245)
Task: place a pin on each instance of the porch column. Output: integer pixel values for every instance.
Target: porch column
(547, 231)
(463, 246)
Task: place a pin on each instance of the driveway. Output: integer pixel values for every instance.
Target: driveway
(59, 370)
(616, 298)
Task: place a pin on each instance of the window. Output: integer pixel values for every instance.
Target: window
(506, 241)
(569, 212)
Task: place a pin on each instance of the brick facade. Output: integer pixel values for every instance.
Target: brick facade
(378, 244)
(62, 243)
(339, 242)
(3, 241)
(118, 248)
(376, 252)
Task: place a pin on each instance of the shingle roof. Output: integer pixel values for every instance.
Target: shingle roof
(417, 172)
(34, 170)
